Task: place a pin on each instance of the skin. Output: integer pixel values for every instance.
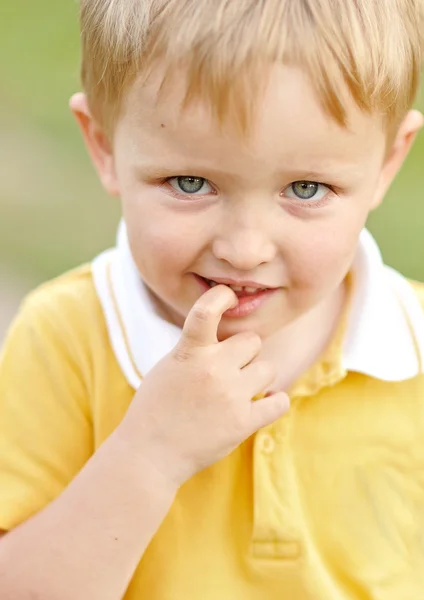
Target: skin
(247, 222)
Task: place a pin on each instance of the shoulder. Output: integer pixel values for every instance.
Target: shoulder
(67, 295)
(64, 313)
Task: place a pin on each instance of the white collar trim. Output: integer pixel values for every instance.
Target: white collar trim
(385, 337)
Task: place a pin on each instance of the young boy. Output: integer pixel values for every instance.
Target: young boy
(248, 141)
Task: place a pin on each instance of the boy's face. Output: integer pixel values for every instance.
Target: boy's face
(281, 210)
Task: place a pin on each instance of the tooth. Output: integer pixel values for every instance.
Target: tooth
(236, 288)
(251, 290)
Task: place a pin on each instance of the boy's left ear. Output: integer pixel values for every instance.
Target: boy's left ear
(405, 137)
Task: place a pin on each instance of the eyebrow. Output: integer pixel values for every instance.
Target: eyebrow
(157, 171)
(339, 173)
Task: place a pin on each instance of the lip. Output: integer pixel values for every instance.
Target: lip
(240, 283)
(247, 305)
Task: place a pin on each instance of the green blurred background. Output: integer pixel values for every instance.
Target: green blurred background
(53, 213)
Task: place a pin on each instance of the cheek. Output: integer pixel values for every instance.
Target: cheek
(322, 260)
(163, 247)
(160, 249)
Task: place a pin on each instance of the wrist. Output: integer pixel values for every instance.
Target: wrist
(147, 462)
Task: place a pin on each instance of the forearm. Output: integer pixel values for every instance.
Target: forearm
(88, 542)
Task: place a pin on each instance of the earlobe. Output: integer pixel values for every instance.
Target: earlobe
(404, 140)
(97, 142)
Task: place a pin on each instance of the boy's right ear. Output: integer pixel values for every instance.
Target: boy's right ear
(97, 142)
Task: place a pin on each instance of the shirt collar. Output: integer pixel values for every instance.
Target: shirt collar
(384, 338)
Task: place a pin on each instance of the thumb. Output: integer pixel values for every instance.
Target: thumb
(266, 411)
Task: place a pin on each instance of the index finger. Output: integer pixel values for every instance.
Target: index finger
(201, 325)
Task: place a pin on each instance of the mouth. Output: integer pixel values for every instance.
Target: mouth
(251, 297)
(240, 289)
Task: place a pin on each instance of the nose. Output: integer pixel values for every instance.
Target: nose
(244, 248)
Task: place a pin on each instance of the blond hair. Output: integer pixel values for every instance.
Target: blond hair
(374, 46)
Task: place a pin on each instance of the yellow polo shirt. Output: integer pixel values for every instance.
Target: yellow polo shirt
(326, 504)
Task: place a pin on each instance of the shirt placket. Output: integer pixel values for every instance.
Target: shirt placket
(275, 531)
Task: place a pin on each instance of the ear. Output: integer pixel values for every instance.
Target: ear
(97, 142)
(405, 137)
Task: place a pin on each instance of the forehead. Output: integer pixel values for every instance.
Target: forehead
(289, 126)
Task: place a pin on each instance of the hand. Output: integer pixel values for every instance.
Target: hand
(195, 406)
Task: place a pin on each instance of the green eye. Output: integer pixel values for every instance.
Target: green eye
(190, 185)
(305, 190)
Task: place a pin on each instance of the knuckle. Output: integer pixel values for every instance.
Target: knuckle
(249, 340)
(214, 371)
(281, 403)
(182, 353)
(252, 338)
(275, 409)
(207, 373)
(202, 313)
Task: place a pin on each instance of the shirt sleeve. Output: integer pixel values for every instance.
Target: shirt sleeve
(45, 426)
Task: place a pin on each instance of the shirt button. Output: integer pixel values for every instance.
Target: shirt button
(287, 550)
(266, 443)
